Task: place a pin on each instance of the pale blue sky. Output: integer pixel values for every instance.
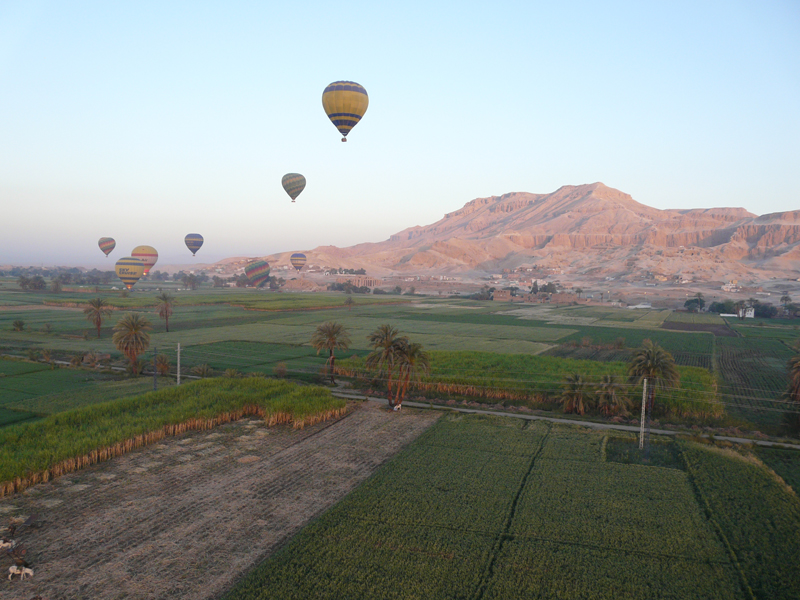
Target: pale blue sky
(146, 121)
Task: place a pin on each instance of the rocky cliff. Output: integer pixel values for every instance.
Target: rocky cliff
(585, 228)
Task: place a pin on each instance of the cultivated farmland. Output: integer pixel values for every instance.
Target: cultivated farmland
(480, 507)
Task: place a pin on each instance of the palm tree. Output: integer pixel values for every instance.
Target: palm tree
(385, 342)
(330, 336)
(411, 361)
(348, 302)
(162, 364)
(97, 310)
(579, 291)
(657, 366)
(575, 394)
(164, 307)
(785, 299)
(131, 337)
(610, 399)
(203, 370)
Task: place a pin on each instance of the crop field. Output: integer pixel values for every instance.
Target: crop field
(479, 507)
(212, 331)
(701, 318)
(754, 377)
(189, 516)
(785, 462)
(536, 381)
(7, 416)
(756, 515)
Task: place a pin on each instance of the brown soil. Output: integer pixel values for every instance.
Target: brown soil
(186, 518)
(717, 330)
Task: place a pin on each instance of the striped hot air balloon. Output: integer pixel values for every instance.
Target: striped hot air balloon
(257, 272)
(148, 255)
(194, 241)
(298, 260)
(107, 245)
(345, 102)
(129, 270)
(293, 183)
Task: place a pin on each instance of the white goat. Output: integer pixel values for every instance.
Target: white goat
(21, 571)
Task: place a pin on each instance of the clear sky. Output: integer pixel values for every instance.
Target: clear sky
(145, 121)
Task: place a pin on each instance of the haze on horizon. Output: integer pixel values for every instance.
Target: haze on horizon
(148, 121)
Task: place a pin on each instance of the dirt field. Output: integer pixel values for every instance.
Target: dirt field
(187, 517)
(717, 330)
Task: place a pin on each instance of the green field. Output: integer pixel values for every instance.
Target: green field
(480, 507)
(214, 328)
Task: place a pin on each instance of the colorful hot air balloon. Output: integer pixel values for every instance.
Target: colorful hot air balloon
(193, 242)
(129, 270)
(257, 272)
(345, 102)
(293, 183)
(148, 255)
(107, 245)
(298, 260)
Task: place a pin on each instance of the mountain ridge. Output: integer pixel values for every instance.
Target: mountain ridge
(574, 226)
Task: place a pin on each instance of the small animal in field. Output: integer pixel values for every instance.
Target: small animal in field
(23, 572)
(6, 544)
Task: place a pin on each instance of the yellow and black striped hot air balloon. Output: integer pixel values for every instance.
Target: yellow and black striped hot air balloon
(298, 260)
(293, 183)
(345, 102)
(129, 270)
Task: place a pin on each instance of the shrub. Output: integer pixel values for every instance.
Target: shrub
(281, 370)
(18, 325)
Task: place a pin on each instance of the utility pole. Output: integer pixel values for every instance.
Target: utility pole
(155, 370)
(641, 422)
(179, 363)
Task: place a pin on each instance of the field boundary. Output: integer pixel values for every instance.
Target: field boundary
(70, 465)
(593, 424)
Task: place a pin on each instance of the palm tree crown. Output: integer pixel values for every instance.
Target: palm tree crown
(385, 342)
(97, 310)
(575, 395)
(610, 399)
(656, 365)
(131, 337)
(330, 336)
(164, 307)
(411, 362)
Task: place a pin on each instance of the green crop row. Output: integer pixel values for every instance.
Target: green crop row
(492, 508)
(757, 517)
(31, 448)
(785, 462)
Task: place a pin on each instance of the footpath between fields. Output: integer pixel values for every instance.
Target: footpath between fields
(593, 424)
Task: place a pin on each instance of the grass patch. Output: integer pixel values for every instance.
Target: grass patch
(33, 452)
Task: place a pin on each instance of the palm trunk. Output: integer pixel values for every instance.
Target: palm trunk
(332, 359)
(166, 319)
(389, 385)
(98, 323)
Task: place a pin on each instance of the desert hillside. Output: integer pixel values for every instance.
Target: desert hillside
(587, 229)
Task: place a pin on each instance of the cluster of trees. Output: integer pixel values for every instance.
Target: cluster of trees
(348, 288)
(394, 358)
(762, 310)
(347, 272)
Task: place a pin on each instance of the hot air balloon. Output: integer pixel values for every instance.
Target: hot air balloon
(107, 245)
(148, 255)
(129, 270)
(345, 102)
(257, 272)
(193, 242)
(298, 260)
(293, 183)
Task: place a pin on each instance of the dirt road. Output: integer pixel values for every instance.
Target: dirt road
(187, 517)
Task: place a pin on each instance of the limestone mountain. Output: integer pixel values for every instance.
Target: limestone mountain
(587, 229)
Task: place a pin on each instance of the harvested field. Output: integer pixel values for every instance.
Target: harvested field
(188, 517)
(717, 329)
